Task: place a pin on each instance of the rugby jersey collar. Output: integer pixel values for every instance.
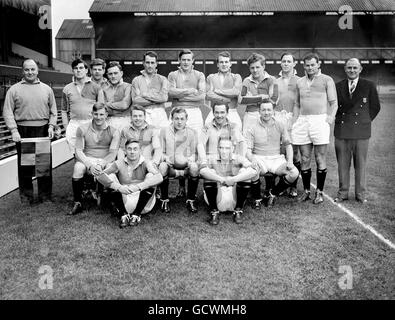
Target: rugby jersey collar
(145, 74)
(145, 125)
(265, 76)
(141, 160)
(282, 76)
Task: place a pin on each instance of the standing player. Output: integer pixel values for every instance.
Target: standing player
(78, 99)
(258, 87)
(286, 83)
(314, 111)
(264, 142)
(117, 97)
(180, 147)
(359, 105)
(223, 88)
(150, 90)
(96, 146)
(187, 89)
(227, 181)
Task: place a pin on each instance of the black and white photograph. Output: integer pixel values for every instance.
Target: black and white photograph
(197, 155)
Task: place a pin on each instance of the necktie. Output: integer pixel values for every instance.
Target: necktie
(352, 88)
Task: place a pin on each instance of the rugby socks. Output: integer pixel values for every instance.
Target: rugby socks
(321, 176)
(117, 202)
(193, 183)
(78, 187)
(164, 188)
(269, 183)
(306, 178)
(181, 182)
(256, 189)
(298, 166)
(280, 186)
(144, 197)
(211, 190)
(242, 190)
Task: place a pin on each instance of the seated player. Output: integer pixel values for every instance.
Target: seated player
(220, 127)
(264, 141)
(135, 179)
(96, 146)
(227, 181)
(146, 134)
(179, 146)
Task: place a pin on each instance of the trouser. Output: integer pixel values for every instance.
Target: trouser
(25, 173)
(357, 150)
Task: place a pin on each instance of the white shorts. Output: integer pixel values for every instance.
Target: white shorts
(195, 118)
(285, 118)
(233, 116)
(119, 122)
(130, 200)
(311, 129)
(156, 117)
(226, 198)
(270, 163)
(71, 132)
(250, 119)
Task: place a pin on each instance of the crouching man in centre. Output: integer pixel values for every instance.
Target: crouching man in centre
(227, 181)
(264, 141)
(135, 179)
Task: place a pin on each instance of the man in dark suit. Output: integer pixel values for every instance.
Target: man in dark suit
(358, 105)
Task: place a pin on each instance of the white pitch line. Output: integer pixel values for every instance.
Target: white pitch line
(357, 219)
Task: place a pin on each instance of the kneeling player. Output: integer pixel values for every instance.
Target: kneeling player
(227, 182)
(135, 179)
(264, 141)
(179, 146)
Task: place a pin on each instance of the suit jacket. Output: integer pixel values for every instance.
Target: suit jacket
(354, 116)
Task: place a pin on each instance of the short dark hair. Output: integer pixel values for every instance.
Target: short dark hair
(256, 57)
(310, 56)
(220, 104)
(130, 141)
(152, 54)
(112, 64)
(287, 54)
(225, 54)
(99, 105)
(76, 62)
(225, 138)
(98, 62)
(185, 51)
(137, 107)
(178, 110)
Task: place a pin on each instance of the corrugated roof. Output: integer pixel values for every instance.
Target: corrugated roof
(238, 5)
(30, 6)
(76, 29)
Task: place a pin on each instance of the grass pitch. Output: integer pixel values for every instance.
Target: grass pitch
(291, 251)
